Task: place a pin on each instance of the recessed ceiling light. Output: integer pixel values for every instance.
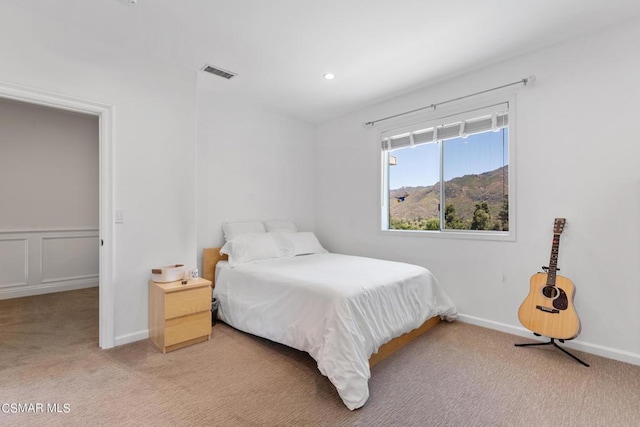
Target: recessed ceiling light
(329, 76)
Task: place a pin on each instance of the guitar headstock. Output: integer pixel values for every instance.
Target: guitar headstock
(558, 225)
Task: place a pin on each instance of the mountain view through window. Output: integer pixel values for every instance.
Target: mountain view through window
(475, 174)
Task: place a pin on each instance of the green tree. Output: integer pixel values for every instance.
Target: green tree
(452, 220)
(481, 217)
(432, 224)
(449, 215)
(504, 214)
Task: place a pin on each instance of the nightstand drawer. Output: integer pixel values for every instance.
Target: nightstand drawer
(186, 328)
(187, 302)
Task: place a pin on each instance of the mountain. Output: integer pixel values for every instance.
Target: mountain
(462, 192)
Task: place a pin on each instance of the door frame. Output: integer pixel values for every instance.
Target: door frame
(105, 136)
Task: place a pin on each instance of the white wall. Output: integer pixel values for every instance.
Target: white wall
(154, 140)
(577, 155)
(48, 168)
(254, 163)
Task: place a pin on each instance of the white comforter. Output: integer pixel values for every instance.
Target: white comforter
(338, 308)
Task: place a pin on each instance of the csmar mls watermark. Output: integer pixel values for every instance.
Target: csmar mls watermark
(35, 408)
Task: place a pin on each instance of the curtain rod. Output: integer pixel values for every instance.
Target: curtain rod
(524, 81)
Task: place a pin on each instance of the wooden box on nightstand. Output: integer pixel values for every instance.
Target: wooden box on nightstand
(179, 315)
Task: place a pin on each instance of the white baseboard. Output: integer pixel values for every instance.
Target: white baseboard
(132, 337)
(598, 350)
(48, 288)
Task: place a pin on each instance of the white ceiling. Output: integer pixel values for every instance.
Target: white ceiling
(376, 48)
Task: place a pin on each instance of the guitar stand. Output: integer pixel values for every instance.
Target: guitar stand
(553, 343)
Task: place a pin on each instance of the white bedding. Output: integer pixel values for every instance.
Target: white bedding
(338, 308)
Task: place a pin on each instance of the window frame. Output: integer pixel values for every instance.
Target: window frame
(435, 117)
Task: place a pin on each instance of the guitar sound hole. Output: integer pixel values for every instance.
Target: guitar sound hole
(550, 292)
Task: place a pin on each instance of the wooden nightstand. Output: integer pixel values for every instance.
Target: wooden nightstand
(179, 315)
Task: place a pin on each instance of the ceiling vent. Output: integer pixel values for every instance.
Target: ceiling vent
(218, 71)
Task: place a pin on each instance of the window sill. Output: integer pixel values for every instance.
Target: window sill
(479, 235)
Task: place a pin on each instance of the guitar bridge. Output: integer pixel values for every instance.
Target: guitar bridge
(547, 309)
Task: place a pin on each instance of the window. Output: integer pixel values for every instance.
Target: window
(450, 176)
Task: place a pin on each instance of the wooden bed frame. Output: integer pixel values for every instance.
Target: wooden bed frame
(211, 256)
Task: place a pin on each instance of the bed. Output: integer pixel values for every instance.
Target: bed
(347, 312)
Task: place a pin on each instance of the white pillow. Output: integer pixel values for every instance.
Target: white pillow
(235, 229)
(294, 244)
(276, 225)
(251, 247)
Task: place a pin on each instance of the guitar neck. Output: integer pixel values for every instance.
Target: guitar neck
(553, 260)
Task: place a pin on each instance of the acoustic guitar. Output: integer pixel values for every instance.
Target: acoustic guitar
(548, 309)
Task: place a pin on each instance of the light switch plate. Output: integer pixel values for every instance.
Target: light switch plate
(119, 216)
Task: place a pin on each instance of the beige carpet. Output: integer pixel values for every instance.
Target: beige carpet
(454, 375)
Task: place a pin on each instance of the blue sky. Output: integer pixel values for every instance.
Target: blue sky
(478, 153)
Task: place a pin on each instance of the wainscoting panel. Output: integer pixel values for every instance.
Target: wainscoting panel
(69, 258)
(14, 261)
(36, 262)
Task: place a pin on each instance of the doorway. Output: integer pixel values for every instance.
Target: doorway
(105, 232)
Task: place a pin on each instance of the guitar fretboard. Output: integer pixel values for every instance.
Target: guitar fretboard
(553, 260)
